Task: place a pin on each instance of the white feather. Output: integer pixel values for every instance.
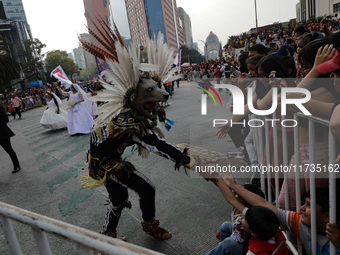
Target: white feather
(160, 54)
(125, 75)
(149, 67)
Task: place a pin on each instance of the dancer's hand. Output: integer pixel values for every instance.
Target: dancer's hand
(223, 130)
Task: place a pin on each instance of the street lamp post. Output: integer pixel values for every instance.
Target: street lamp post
(205, 49)
(256, 16)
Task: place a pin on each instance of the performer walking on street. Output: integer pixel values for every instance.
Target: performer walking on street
(128, 115)
(54, 117)
(5, 139)
(79, 120)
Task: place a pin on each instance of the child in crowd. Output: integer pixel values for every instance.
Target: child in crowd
(260, 222)
(297, 222)
(10, 109)
(232, 235)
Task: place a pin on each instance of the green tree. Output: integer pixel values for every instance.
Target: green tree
(33, 58)
(92, 71)
(191, 55)
(9, 67)
(58, 57)
(232, 38)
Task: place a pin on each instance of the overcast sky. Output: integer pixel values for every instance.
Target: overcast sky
(57, 23)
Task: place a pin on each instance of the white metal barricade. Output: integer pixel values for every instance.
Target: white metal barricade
(88, 242)
(332, 175)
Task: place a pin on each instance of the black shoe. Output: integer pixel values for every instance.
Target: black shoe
(16, 169)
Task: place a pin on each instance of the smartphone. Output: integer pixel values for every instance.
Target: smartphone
(275, 84)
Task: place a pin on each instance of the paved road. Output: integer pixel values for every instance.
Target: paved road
(49, 184)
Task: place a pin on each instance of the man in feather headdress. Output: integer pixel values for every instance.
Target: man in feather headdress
(128, 115)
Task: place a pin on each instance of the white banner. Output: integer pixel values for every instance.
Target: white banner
(61, 76)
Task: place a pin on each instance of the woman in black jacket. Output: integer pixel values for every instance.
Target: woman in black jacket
(5, 136)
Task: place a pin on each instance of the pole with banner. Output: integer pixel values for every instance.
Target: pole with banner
(101, 70)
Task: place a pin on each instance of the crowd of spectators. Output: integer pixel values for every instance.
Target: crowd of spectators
(33, 97)
(283, 32)
(298, 57)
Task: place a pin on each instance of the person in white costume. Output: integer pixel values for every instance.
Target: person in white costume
(90, 106)
(79, 120)
(54, 117)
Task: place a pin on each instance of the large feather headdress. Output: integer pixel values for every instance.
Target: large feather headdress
(120, 84)
(160, 54)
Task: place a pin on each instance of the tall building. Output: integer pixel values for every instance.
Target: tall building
(78, 56)
(308, 8)
(15, 33)
(95, 9)
(14, 11)
(86, 58)
(186, 27)
(149, 17)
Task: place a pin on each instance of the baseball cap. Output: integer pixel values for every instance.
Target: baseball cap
(330, 65)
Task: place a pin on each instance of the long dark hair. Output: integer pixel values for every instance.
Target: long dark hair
(242, 60)
(308, 52)
(55, 101)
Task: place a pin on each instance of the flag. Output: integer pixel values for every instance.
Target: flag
(61, 76)
(100, 68)
(177, 61)
(107, 66)
(168, 124)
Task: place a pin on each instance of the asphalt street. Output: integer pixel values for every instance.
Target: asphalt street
(49, 184)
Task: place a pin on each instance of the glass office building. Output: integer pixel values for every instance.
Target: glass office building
(149, 17)
(14, 11)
